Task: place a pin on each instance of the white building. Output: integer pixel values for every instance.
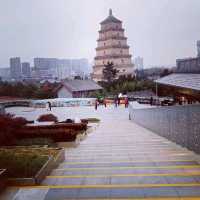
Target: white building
(77, 88)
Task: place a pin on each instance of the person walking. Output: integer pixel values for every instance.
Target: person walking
(104, 102)
(151, 101)
(49, 105)
(126, 102)
(116, 102)
(96, 104)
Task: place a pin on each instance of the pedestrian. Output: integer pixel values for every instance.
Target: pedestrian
(104, 102)
(126, 102)
(96, 104)
(116, 102)
(49, 105)
(151, 101)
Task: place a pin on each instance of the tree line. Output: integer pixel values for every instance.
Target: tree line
(27, 90)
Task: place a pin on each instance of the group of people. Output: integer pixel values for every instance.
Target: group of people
(117, 102)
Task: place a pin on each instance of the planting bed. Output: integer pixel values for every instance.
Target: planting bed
(58, 132)
(28, 166)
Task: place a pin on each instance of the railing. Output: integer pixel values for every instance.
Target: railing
(179, 124)
(6, 104)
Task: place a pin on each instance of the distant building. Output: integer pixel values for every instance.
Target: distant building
(112, 47)
(80, 67)
(15, 68)
(188, 65)
(43, 67)
(198, 48)
(77, 88)
(26, 69)
(152, 73)
(5, 73)
(48, 68)
(138, 62)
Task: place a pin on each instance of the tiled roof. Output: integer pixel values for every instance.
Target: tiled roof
(110, 19)
(81, 85)
(190, 81)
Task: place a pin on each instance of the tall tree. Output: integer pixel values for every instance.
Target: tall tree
(109, 72)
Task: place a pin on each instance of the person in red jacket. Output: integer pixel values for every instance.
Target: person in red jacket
(126, 102)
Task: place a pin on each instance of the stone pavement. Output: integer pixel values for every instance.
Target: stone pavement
(119, 160)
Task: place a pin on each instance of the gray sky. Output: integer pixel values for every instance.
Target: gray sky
(158, 30)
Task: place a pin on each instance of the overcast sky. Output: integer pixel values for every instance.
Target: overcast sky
(158, 30)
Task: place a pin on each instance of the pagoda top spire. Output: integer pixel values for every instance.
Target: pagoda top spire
(110, 12)
(111, 18)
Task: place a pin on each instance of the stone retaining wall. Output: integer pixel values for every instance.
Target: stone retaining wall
(180, 124)
(24, 103)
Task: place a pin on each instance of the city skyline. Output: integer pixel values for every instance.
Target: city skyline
(160, 32)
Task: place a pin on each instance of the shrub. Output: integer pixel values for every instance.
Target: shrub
(58, 132)
(19, 121)
(47, 118)
(9, 125)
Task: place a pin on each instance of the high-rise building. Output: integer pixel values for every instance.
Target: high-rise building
(60, 68)
(188, 65)
(138, 62)
(198, 48)
(112, 47)
(45, 67)
(26, 69)
(15, 68)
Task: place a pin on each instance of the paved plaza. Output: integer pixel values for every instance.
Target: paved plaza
(118, 160)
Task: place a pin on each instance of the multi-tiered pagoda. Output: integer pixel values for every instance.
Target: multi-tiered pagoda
(112, 47)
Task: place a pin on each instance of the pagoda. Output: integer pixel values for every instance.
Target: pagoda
(112, 47)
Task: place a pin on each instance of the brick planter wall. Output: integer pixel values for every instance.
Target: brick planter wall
(180, 124)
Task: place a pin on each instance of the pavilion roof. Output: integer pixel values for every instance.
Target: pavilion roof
(81, 85)
(182, 80)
